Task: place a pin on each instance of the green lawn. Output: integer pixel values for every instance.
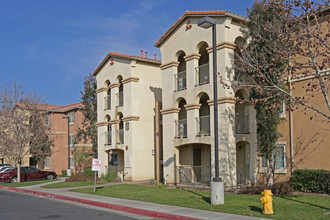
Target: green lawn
(27, 183)
(69, 184)
(285, 207)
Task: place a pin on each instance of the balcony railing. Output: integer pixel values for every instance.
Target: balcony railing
(120, 99)
(120, 136)
(107, 138)
(180, 81)
(191, 174)
(181, 128)
(203, 126)
(202, 74)
(107, 102)
(242, 124)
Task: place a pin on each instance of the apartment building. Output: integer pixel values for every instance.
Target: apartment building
(128, 103)
(57, 129)
(187, 103)
(58, 135)
(305, 139)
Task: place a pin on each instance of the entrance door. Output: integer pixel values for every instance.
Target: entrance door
(197, 163)
(240, 163)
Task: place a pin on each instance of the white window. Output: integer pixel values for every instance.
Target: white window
(71, 162)
(71, 117)
(71, 139)
(46, 120)
(47, 163)
(279, 154)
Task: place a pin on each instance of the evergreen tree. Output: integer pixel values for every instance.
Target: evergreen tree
(89, 111)
(261, 66)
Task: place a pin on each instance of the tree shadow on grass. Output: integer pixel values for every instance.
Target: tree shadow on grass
(256, 209)
(291, 198)
(206, 199)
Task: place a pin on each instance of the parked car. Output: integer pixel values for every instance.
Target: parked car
(27, 173)
(4, 165)
(5, 168)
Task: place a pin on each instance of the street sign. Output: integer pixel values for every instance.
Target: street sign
(96, 165)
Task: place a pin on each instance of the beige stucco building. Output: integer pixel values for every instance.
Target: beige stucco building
(128, 101)
(188, 103)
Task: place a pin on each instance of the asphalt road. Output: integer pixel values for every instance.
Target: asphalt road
(20, 206)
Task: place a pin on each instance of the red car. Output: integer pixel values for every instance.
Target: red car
(27, 173)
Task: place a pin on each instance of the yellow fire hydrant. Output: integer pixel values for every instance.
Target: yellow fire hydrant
(267, 200)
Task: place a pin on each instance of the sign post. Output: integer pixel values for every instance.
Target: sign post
(96, 166)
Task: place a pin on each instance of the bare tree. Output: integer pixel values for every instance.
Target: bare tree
(21, 123)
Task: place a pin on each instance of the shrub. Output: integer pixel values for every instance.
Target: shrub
(282, 188)
(306, 180)
(88, 171)
(110, 176)
(63, 172)
(79, 177)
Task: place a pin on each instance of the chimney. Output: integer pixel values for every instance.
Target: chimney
(141, 53)
(155, 56)
(146, 54)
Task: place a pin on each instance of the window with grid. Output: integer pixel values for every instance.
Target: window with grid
(279, 155)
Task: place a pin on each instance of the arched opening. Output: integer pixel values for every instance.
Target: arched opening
(194, 163)
(120, 130)
(203, 121)
(240, 45)
(116, 162)
(107, 98)
(242, 120)
(120, 94)
(243, 162)
(202, 71)
(108, 132)
(180, 77)
(181, 123)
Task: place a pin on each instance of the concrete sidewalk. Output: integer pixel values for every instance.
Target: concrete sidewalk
(124, 205)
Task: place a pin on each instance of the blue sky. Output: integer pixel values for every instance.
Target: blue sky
(50, 45)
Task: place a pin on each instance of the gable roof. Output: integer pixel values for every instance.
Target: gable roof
(123, 56)
(197, 14)
(53, 108)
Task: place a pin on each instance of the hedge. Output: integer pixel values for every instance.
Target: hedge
(305, 180)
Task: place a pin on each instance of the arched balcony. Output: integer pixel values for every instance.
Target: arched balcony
(107, 98)
(120, 129)
(108, 132)
(242, 124)
(202, 71)
(181, 78)
(120, 94)
(181, 123)
(203, 121)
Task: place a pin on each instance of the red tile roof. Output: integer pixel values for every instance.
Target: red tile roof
(53, 108)
(124, 56)
(196, 13)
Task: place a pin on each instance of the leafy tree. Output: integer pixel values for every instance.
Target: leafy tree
(89, 111)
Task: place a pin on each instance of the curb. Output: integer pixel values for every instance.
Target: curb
(122, 208)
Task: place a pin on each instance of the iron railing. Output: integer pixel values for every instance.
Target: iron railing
(107, 102)
(120, 136)
(181, 128)
(193, 174)
(107, 137)
(203, 126)
(180, 81)
(120, 99)
(202, 74)
(242, 124)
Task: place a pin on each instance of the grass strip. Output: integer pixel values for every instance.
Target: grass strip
(285, 207)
